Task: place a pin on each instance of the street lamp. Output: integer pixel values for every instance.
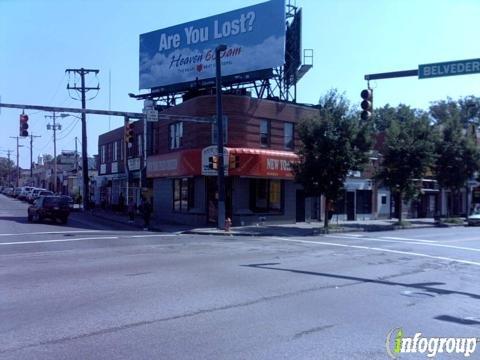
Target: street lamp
(221, 180)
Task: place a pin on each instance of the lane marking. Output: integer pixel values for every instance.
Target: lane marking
(354, 235)
(380, 249)
(58, 240)
(54, 232)
(153, 235)
(413, 243)
(406, 239)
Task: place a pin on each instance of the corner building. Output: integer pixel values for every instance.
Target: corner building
(260, 140)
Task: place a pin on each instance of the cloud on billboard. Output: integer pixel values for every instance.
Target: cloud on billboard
(255, 39)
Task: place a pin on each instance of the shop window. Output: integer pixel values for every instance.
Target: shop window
(288, 135)
(265, 133)
(115, 151)
(266, 195)
(364, 202)
(139, 145)
(102, 154)
(183, 194)
(176, 134)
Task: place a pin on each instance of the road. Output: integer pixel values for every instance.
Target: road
(94, 290)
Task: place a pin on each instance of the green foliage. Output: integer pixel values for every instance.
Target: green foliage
(383, 117)
(458, 157)
(409, 151)
(465, 110)
(333, 143)
(6, 166)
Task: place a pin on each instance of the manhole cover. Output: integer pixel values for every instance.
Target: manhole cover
(416, 294)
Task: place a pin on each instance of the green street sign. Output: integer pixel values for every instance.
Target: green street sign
(450, 68)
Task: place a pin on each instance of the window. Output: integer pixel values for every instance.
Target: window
(122, 149)
(102, 154)
(288, 135)
(384, 199)
(265, 132)
(183, 194)
(364, 202)
(176, 134)
(115, 151)
(265, 195)
(214, 131)
(139, 144)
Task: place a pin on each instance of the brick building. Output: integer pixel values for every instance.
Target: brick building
(260, 141)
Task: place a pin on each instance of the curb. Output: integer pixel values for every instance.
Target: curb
(320, 231)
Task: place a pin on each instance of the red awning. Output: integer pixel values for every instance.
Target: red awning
(178, 163)
(262, 163)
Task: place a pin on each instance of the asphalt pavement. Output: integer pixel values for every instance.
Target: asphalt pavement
(93, 289)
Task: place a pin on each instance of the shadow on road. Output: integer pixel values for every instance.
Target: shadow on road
(419, 286)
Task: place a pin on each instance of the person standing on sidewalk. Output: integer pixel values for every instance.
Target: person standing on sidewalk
(146, 209)
(132, 207)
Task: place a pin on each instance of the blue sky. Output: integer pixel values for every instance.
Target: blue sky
(39, 39)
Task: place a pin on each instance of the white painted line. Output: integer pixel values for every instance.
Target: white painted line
(54, 232)
(413, 243)
(153, 235)
(58, 240)
(354, 235)
(461, 240)
(380, 249)
(406, 239)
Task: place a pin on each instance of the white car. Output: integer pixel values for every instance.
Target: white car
(474, 218)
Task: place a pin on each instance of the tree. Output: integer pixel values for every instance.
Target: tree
(383, 117)
(465, 110)
(408, 153)
(457, 158)
(333, 143)
(6, 168)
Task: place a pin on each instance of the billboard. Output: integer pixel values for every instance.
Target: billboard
(255, 39)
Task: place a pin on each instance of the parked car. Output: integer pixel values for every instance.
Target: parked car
(24, 192)
(69, 200)
(474, 218)
(51, 207)
(17, 192)
(36, 193)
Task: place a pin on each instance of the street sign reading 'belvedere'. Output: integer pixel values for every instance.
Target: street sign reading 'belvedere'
(449, 68)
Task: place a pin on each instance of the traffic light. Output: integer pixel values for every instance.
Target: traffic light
(129, 132)
(213, 162)
(233, 161)
(367, 104)
(23, 125)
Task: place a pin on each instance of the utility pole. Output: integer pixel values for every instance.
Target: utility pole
(31, 154)
(220, 177)
(18, 157)
(83, 90)
(76, 156)
(54, 127)
(9, 170)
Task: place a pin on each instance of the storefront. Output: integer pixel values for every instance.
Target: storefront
(259, 186)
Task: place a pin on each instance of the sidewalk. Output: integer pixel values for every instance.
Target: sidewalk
(297, 229)
(138, 222)
(315, 228)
